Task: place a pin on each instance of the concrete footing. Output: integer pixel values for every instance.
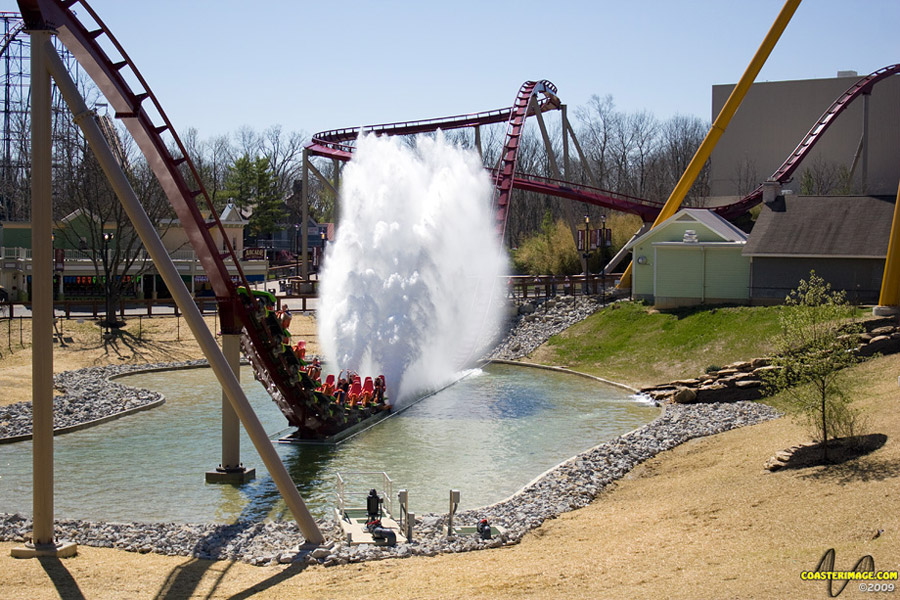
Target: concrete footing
(57, 550)
(885, 311)
(237, 476)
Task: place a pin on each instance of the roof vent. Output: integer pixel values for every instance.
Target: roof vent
(847, 74)
(690, 237)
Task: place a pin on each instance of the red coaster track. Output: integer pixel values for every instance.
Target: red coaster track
(334, 144)
(787, 168)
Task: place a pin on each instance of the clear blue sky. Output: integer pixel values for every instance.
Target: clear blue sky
(219, 64)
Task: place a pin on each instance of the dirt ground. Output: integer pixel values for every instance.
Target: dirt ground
(704, 520)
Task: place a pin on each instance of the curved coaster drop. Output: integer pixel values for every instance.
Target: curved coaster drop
(294, 392)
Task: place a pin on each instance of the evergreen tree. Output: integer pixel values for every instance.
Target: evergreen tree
(251, 183)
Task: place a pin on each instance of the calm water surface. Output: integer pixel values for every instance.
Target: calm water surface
(487, 436)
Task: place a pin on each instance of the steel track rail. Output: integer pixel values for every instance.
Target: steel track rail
(333, 144)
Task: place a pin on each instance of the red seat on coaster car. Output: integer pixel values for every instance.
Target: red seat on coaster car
(368, 391)
(355, 393)
(328, 386)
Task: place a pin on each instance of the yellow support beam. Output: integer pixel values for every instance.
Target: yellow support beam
(889, 299)
(718, 127)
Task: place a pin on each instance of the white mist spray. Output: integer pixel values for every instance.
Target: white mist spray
(408, 279)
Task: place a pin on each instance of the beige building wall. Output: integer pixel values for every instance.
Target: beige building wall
(175, 238)
(774, 118)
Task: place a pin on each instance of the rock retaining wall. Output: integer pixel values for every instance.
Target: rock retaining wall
(743, 380)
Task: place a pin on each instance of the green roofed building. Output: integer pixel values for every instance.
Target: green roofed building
(694, 257)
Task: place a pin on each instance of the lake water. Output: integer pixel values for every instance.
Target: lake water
(488, 436)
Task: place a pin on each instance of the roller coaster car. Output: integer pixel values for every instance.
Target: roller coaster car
(307, 405)
(326, 420)
(265, 299)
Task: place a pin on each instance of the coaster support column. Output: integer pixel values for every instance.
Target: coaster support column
(43, 540)
(231, 470)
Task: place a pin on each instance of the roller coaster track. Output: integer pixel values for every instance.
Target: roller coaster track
(335, 144)
(786, 170)
(506, 172)
(9, 36)
(646, 209)
(338, 144)
(294, 394)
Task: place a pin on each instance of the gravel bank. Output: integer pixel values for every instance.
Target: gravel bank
(88, 395)
(537, 320)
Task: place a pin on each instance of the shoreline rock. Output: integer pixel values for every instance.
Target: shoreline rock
(88, 395)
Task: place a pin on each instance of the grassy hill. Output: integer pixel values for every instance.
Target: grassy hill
(631, 343)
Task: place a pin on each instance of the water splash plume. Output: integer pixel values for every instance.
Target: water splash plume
(406, 286)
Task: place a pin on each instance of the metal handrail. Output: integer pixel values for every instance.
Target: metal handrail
(387, 492)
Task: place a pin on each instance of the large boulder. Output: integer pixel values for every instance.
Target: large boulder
(684, 395)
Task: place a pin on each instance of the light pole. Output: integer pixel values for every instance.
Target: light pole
(603, 243)
(296, 249)
(586, 252)
(106, 280)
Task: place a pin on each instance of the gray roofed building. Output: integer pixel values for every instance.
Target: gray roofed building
(843, 238)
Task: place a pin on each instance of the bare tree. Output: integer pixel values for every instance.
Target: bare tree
(746, 176)
(822, 177)
(93, 220)
(285, 152)
(680, 137)
(598, 120)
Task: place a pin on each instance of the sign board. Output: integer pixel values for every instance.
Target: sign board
(254, 254)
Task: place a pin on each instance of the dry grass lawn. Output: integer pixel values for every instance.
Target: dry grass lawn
(704, 520)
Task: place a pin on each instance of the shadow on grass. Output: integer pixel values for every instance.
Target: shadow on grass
(854, 472)
(125, 345)
(272, 581)
(183, 580)
(682, 312)
(842, 466)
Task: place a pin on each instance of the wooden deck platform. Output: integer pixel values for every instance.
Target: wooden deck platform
(353, 523)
